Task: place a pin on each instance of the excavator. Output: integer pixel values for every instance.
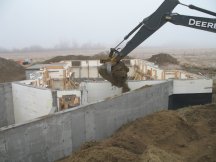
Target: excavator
(115, 71)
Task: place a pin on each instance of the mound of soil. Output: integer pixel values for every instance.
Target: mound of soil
(185, 135)
(69, 57)
(11, 71)
(78, 57)
(163, 59)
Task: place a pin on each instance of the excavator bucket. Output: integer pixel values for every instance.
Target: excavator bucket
(115, 74)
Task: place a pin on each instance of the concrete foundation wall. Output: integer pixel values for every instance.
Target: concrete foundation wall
(56, 136)
(192, 86)
(6, 105)
(97, 91)
(214, 91)
(100, 90)
(30, 102)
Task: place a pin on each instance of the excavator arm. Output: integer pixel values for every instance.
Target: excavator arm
(201, 23)
(150, 25)
(155, 21)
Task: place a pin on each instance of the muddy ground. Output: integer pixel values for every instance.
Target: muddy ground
(185, 135)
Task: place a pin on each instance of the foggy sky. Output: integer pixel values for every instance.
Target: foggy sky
(46, 23)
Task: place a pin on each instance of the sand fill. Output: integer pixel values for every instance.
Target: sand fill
(163, 59)
(187, 135)
(11, 71)
(117, 76)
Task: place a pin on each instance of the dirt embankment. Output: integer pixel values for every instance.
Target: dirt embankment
(78, 57)
(185, 135)
(11, 71)
(163, 59)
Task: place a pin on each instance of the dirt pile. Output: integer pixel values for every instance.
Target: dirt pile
(69, 57)
(10, 71)
(78, 57)
(117, 76)
(163, 59)
(185, 135)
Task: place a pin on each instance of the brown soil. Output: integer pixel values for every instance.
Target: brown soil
(185, 135)
(118, 75)
(69, 57)
(77, 57)
(11, 71)
(163, 59)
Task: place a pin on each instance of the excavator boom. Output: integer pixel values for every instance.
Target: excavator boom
(114, 70)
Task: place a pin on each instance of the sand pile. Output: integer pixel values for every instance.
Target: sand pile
(185, 135)
(163, 59)
(10, 71)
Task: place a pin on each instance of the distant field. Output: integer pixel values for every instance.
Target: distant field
(195, 57)
(43, 55)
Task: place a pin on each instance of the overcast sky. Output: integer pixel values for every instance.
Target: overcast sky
(49, 22)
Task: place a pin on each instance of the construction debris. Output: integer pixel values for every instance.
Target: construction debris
(11, 71)
(185, 135)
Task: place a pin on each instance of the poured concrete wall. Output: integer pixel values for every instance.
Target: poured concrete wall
(214, 91)
(30, 102)
(192, 86)
(86, 69)
(6, 105)
(190, 92)
(97, 91)
(100, 90)
(86, 72)
(57, 135)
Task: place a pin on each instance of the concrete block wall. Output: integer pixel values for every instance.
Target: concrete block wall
(6, 105)
(57, 135)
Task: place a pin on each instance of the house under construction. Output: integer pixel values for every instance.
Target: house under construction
(63, 105)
